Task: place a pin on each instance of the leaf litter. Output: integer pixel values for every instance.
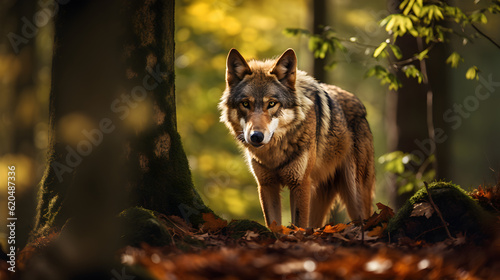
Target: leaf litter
(336, 251)
(356, 250)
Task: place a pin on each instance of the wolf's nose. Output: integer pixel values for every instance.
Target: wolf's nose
(257, 137)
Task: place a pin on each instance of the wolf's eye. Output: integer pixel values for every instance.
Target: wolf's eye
(245, 104)
(271, 104)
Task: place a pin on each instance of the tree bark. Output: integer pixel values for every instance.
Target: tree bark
(113, 137)
(406, 113)
(319, 8)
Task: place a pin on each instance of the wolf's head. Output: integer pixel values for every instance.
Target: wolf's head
(260, 96)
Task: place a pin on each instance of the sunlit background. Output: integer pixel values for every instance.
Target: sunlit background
(205, 31)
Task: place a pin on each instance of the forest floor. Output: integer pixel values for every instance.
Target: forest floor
(341, 251)
(244, 249)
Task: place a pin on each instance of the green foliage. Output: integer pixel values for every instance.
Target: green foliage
(410, 174)
(423, 19)
(454, 59)
(412, 71)
(380, 50)
(471, 73)
(426, 20)
(384, 76)
(320, 44)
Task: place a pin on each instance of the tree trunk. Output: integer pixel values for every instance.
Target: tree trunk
(113, 137)
(405, 117)
(406, 114)
(319, 9)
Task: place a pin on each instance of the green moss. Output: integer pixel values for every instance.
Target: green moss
(238, 228)
(141, 225)
(459, 210)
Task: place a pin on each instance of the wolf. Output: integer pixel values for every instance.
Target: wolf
(296, 132)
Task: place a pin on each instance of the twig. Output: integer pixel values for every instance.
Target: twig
(485, 36)
(437, 211)
(427, 231)
(429, 103)
(362, 231)
(415, 57)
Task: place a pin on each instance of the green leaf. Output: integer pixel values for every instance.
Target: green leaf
(384, 76)
(380, 49)
(408, 7)
(478, 16)
(436, 12)
(295, 32)
(394, 82)
(484, 20)
(454, 59)
(393, 162)
(391, 156)
(377, 71)
(423, 54)
(395, 166)
(338, 44)
(396, 51)
(315, 44)
(412, 71)
(391, 22)
(323, 50)
(403, 4)
(331, 66)
(472, 73)
(417, 8)
(494, 8)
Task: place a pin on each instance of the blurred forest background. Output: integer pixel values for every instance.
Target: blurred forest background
(205, 31)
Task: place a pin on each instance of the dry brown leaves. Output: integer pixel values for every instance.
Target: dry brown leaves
(341, 251)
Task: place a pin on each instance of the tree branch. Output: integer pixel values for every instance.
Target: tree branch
(485, 36)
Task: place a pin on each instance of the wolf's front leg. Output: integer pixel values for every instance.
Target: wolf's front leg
(270, 201)
(300, 197)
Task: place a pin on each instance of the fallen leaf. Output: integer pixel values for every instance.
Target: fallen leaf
(249, 235)
(286, 230)
(386, 213)
(275, 228)
(378, 231)
(334, 229)
(212, 223)
(422, 209)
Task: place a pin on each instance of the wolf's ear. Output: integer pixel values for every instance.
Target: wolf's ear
(236, 68)
(285, 68)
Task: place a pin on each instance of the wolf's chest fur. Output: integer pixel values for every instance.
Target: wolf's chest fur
(299, 133)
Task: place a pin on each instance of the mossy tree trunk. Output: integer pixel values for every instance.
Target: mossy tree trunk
(113, 137)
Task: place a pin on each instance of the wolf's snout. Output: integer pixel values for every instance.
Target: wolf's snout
(256, 138)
